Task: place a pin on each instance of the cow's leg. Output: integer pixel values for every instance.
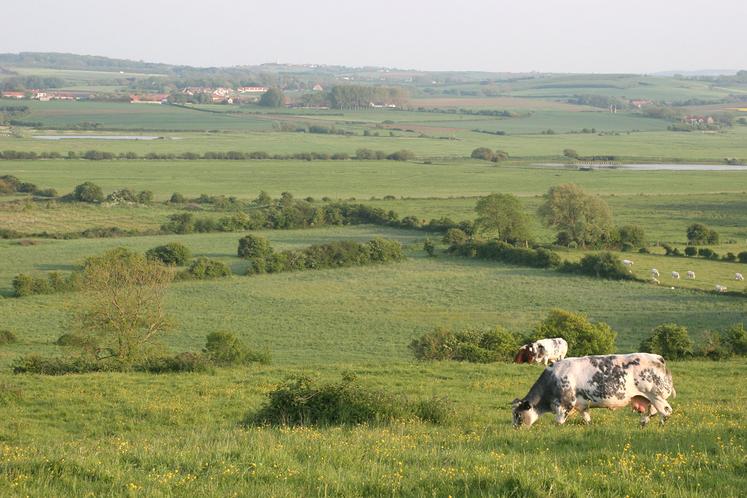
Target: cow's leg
(585, 415)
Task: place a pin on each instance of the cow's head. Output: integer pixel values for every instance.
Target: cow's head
(523, 355)
(523, 413)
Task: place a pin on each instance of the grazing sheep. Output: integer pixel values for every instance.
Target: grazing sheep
(655, 280)
(675, 275)
(738, 277)
(720, 288)
(654, 273)
(691, 275)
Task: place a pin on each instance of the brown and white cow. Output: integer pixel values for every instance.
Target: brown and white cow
(640, 380)
(543, 351)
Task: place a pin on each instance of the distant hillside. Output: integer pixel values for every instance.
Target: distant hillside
(54, 60)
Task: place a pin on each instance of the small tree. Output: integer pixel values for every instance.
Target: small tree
(125, 310)
(585, 218)
(483, 153)
(504, 216)
(88, 192)
(172, 253)
(670, 341)
(457, 237)
(177, 198)
(429, 247)
(570, 153)
(254, 246)
(272, 98)
(632, 235)
(698, 234)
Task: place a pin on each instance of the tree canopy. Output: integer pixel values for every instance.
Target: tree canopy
(583, 218)
(503, 216)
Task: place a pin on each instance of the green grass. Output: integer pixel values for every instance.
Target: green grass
(179, 435)
(360, 179)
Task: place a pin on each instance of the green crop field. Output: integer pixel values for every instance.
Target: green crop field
(182, 434)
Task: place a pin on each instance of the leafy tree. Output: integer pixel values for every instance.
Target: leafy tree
(455, 237)
(632, 235)
(670, 341)
(698, 234)
(177, 198)
(570, 153)
(482, 153)
(272, 98)
(504, 216)
(254, 246)
(88, 192)
(586, 219)
(125, 310)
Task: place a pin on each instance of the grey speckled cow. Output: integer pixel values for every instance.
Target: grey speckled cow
(640, 380)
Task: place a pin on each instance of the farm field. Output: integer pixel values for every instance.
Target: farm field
(183, 434)
(360, 179)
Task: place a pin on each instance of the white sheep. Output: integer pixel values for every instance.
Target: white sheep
(720, 288)
(655, 280)
(675, 275)
(738, 277)
(691, 275)
(654, 273)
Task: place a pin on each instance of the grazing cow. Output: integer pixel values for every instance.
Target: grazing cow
(640, 380)
(738, 277)
(720, 288)
(675, 275)
(654, 273)
(691, 275)
(543, 351)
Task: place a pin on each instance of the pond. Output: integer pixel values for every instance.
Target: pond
(652, 167)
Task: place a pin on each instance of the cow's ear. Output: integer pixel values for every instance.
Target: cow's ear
(524, 405)
(516, 402)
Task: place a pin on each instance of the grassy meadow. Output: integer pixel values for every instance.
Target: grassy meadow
(169, 435)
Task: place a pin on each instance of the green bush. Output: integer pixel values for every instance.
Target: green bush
(477, 346)
(88, 192)
(698, 234)
(583, 336)
(742, 257)
(37, 364)
(254, 247)
(177, 198)
(497, 250)
(204, 268)
(670, 341)
(602, 265)
(172, 253)
(455, 237)
(691, 251)
(7, 337)
(27, 285)
(78, 341)
(303, 401)
(632, 235)
(223, 348)
(181, 362)
(483, 153)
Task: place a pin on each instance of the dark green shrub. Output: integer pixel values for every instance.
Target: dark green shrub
(88, 192)
(401, 155)
(429, 247)
(583, 336)
(632, 235)
(478, 346)
(729, 256)
(204, 268)
(223, 348)
(742, 257)
(691, 251)
(455, 237)
(714, 348)
(706, 252)
(301, 401)
(698, 234)
(27, 285)
(483, 153)
(177, 198)
(37, 364)
(78, 341)
(7, 337)
(172, 253)
(670, 341)
(254, 247)
(181, 362)
(602, 265)
(735, 339)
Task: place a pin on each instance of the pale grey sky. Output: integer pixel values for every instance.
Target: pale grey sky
(498, 35)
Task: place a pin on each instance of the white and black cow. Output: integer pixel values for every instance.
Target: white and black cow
(640, 380)
(543, 351)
